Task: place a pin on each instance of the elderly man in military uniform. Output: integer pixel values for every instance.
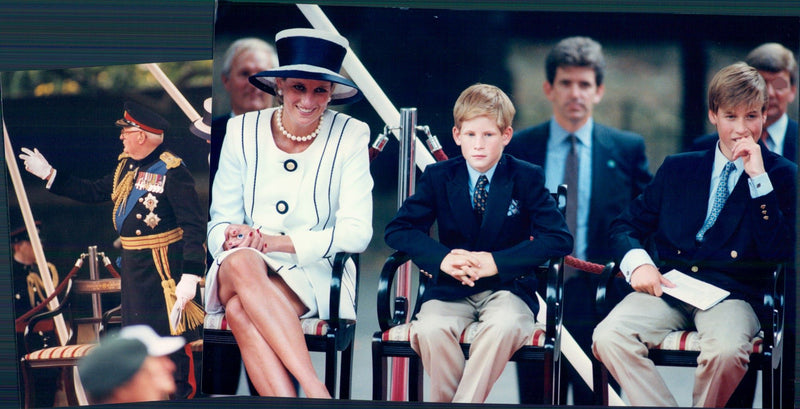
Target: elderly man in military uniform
(158, 217)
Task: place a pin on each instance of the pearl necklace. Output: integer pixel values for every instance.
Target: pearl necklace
(285, 133)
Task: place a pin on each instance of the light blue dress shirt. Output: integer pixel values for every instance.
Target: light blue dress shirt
(473, 180)
(558, 147)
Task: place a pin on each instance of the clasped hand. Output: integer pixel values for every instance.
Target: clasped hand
(242, 235)
(468, 266)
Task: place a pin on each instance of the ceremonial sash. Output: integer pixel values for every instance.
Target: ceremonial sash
(150, 180)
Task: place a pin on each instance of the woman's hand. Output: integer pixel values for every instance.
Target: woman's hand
(241, 235)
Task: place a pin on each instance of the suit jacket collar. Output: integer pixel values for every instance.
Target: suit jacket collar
(731, 214)
(496, 206)
(458, 194)
(790, 141)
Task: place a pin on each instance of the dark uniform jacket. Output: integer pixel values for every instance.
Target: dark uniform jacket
(162, 199)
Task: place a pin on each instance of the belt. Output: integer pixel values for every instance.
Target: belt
(152, 241)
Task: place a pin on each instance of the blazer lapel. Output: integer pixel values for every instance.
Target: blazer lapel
(458, 196)
(790, 141)
(688, 216)
(500, 191)
(538, 144)
(604, 160)
(728, 220)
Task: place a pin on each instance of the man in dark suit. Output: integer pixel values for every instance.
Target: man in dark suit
(497, 222)
(724, 216)
(243, 58)
(612, 169)
(778, 66)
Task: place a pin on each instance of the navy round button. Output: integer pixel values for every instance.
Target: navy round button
(282, 207)
(290, 165)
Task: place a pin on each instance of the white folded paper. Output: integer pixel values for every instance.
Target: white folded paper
(693, 291)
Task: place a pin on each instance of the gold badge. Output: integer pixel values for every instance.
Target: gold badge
(150, 202)
(151, 220)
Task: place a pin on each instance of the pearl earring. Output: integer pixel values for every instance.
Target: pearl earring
(280, 93)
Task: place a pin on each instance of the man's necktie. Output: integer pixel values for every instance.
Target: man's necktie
(480, 196)
(571, 180)
(720, 197)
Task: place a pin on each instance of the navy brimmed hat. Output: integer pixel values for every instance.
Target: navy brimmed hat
(119, 356)
(310, 54)
(143, 118)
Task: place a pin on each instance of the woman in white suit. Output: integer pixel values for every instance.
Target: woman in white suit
(293, 188)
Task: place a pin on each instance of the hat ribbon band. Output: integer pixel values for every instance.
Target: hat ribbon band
(311, 51)
(133, 122)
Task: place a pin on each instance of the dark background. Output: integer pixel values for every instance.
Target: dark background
(50, 34)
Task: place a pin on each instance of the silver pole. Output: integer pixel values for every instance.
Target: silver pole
(94, 275)
(406, 170)
(406, 176)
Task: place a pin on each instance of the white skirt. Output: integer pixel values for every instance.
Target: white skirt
(295, 278)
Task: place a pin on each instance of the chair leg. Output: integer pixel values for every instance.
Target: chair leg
(346, 371)
(68, 376)
(379, 372)
(331, 362)
(415, 379)
(770, 385)
(600, 382)
(558, 367)
(27, 379)
(549, 384)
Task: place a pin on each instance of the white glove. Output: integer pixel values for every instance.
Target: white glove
(35, 163)
(186, 289)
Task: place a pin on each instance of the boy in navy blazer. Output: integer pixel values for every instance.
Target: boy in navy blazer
(496, 222)
(735, 248)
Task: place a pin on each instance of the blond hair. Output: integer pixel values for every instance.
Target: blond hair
(484, 100)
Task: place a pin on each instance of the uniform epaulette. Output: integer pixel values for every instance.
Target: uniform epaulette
(123, 155)
(170, 159)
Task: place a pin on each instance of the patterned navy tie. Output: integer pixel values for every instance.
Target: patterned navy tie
(719, 200)
(480, 196)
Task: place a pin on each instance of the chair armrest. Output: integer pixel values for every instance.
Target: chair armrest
(554, 297)
(601, 303)
(62, 306)
(773, 325)
(337, 272)
(386, 319)
(113, 315)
